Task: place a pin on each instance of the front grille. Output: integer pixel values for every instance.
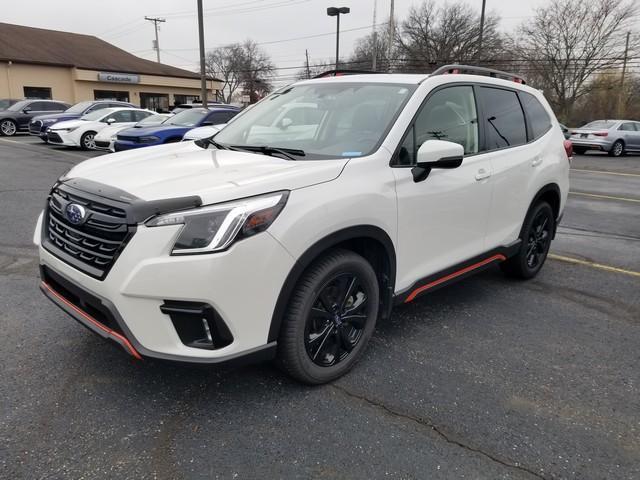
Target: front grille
(35, 127)
(103, 144)
(54, 137)
(93, 245)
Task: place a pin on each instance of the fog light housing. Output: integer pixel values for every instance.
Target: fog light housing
(197, 324)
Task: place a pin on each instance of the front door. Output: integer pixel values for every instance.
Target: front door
(442, 220)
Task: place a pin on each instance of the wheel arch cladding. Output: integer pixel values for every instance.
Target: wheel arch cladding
(550, 193)
(369, 241)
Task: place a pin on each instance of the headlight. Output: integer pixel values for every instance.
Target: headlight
(149, 139)
(49, 120)
(71, 129)
(215, 227)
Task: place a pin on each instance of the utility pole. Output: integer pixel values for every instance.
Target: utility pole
(156, 21)
(484, 4)
(203, 74)
(306, 54)
(624, 74)
(391, 35)
(374, 60)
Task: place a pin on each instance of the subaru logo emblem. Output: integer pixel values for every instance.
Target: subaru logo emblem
(75, 213)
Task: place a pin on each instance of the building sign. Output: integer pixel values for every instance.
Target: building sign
(118, 77)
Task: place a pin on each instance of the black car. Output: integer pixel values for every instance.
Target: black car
(18, 115)
(39, 124)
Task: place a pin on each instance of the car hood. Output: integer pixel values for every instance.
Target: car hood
(69, 124)
(184, 169)
(158, 129)
(57, 116)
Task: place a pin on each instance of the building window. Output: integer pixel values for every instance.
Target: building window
(111, 95)
(181, 99)
(158, 102)
(37, 92)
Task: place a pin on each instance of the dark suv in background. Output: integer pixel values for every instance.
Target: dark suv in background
(39, 124)
(17, 116)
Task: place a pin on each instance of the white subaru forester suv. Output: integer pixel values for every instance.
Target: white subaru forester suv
(290, 235)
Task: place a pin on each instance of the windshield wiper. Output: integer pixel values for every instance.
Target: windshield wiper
(266, 150)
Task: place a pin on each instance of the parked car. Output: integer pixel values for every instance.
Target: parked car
(38, 125)
(7, 102)
(188, 106)
(81, 132)
(106, 138)
(616, 137)
(199, 133)
(174, 128)
(17, 117)
(228, 250)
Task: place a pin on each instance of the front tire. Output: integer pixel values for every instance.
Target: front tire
(536, 236)
(88, 141)
(617, 149)
(330, 318)
(8, 128)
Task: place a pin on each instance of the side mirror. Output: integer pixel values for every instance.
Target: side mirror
(111, 120)
(285, 123)
(436, 154)
(26, 109)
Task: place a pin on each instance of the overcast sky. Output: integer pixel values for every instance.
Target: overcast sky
(275, 24)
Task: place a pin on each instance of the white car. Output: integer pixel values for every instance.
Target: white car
(106, 138)
(81, 132)
(232, 251)
(202, 132)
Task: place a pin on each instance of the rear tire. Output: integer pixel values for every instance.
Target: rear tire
(537, 231)
(617, 149)
(330, 318)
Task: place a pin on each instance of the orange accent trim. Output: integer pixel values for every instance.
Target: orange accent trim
(484, 262)
(95, 322)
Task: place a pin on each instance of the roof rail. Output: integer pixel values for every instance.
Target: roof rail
(469, 69)
(339, 73)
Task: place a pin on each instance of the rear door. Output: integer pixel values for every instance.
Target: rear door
(514, 161)
(627, 131)
(442, 220)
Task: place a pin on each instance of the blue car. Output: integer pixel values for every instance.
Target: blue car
(174, 128)
(38, 125)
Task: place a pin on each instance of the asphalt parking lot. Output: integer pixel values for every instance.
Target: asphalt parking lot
(487, 379)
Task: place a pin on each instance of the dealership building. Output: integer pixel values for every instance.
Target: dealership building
(39, 63)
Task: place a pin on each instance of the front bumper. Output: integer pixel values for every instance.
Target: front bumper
(105, 145)
(125, 307)
(121, 146)
(60, 137)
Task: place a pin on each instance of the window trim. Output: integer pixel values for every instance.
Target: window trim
(481, 143)
(529, 123)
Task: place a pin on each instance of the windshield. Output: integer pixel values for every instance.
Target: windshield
(97, 114)
(188, 118)
(325, 120)
(4, 104)
(151, 120)
(79, 107)
(19, 106)
(604, 124)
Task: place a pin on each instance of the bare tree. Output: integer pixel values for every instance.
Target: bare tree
(362, 56)
(316, 67)
(563, 58)
(599, 102)
(225, 63)
(241, 65)
(432, 36)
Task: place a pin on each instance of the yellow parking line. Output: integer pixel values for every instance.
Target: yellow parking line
(605, 172)
(587, 263)
(606, 197)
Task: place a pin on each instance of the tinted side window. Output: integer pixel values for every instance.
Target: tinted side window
(139, 115)
(449, 114)
(216, 118)
(123, 116)
(629, 127)
(39, 106)
(503, 118)
(539, 121)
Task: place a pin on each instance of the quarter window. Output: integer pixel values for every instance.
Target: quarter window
(449, 114)
(503, 118)
(539, 121)
(629, 127)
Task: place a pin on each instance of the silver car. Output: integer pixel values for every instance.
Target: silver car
(616, 137)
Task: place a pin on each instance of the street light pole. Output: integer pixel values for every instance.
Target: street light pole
(203, 74)
(335, 12)
(484, 3)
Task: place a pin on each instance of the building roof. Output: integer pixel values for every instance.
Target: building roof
(22, 44)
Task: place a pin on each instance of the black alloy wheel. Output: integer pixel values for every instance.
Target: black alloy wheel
(337, 320)
(539, 240)
(330, 318)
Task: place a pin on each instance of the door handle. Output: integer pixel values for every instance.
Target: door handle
(536, 161)
(482, 174)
